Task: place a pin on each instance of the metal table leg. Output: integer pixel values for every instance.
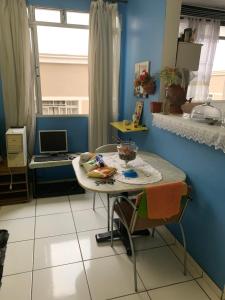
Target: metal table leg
(108, 212)
(120, 234)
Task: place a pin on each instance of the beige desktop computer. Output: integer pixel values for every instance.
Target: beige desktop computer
(16, 146)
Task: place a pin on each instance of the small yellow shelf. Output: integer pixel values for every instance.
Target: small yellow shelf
(127, 128)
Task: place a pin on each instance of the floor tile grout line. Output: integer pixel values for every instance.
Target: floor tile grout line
(98, 258)
(20, 241)
(171, 284)
(44, 237)
(14, 274)
(138, 273)
(123, 253)
(161, 235)
(51, 236)
(89, 290)
(16, 219)
(99, 228)
(54, 214)
(149, 296)
(60, 265)
(50, 214)
(177, 257)
(126, 295)
(32, 275)
(82, 260)
(77, 233)
(203, 289)
(85, 209)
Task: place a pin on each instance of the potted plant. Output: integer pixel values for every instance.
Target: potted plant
(175, 92)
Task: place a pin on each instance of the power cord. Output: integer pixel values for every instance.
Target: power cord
(11, 180)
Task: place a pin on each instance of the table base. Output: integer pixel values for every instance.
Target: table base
(120, 234)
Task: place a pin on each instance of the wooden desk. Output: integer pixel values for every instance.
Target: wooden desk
(127, 128)
(34, 165)
(50, 163)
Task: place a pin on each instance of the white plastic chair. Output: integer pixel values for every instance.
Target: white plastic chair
(104, 149)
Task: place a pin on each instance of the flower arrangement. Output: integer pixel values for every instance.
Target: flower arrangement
(142, 79)
(145, 81)
(171, 76)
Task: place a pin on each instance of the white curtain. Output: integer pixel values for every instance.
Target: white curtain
(16, 68)
(207, 33)
(104, 65)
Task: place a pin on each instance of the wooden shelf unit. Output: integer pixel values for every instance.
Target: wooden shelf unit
(19, 191)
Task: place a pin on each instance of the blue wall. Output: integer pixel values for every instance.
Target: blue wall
(205, 167)
(77, 131)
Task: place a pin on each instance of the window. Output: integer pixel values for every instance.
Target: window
(217, 82)
(47, 15)
(205, 85)
(60, 42)
(77, 18)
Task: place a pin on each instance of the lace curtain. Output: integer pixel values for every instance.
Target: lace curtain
(207, 33)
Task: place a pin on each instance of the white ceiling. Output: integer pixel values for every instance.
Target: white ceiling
(207, 3)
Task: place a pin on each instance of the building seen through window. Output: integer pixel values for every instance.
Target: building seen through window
(62, 62)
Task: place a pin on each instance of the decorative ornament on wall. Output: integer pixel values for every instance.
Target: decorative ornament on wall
(144, 83)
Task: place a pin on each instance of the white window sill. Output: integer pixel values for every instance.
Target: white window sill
(198, 132)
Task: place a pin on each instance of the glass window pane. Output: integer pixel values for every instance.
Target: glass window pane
(57, 40)
(62, 111)
(77, 18)
(217, 82)
(63, 58)
(47, 15)
(219, 62)
(222, 31)
(74, 111)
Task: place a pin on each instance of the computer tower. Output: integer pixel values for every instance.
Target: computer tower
(16, 147)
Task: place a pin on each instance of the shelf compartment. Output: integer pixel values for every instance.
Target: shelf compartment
(15, 187)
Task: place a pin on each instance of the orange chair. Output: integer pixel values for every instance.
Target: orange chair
(128, 213)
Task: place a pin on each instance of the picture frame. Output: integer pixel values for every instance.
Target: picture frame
(139, 68)
(138, 111)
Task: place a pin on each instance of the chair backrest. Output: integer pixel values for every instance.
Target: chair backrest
(107, 148)
(135, 222)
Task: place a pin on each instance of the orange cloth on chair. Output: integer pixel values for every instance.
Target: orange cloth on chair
(163, 201)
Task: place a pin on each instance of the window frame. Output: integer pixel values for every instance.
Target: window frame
(34, 40)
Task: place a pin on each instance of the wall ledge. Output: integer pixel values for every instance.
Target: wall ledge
(198, 132)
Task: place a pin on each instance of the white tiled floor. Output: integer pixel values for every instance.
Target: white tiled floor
(52, 254)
